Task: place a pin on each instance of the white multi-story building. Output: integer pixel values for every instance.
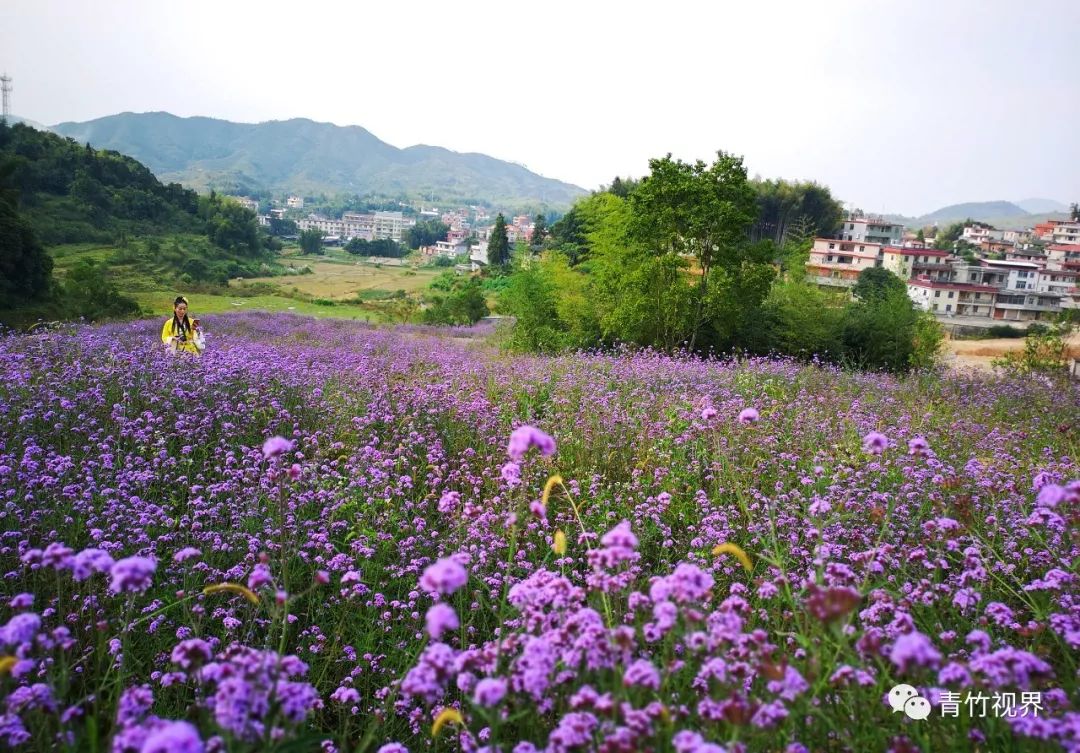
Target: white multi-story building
(392, 225)
(1060, 281)
(295, 202)
(1066, 232)
(1018, 275)
(451, 248)
(872, 230)
(952, 298)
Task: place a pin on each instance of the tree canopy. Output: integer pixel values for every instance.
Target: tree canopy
(499, 244)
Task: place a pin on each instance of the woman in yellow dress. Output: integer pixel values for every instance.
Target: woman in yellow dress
(181, 333)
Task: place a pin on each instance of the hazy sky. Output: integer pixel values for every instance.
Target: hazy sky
(896, 105)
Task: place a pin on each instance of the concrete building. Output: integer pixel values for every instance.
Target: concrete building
(872, 230)
(838, 263)
(1066, 232)
(1059, 254)
(249, 204)
(295, 202)
(931, 262)
(392, 225)
(952, 298)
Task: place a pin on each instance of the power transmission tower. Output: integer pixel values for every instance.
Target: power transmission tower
(5, 86)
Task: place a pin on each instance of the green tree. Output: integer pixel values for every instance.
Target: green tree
(695, 211)
(426, 233)
(947, 237)
(464, 305)
(539, 231)
(499, 244)
(875, 283)
(280, 226)
(568, 236)
(800, 320)
(311, 241)
(1074, 212)
(883, 333)
(89, 293)
(784, 207)
(25, 267)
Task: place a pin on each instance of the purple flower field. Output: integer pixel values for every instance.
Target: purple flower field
(326, 536)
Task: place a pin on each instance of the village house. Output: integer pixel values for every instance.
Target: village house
(838, 263)
(872, 230)
(952, 298)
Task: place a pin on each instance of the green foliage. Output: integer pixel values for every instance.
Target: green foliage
(280, 227)
(804, 208)
(947, 237)
(539, 231)
(311, 241)
(25, 268)
(622, 187)
(426, 233)
(802, 320)
(568, 237)
(1046, 349)
(1005, 331)
(877, 283)
(384, 247)
(671, 266)
(72, 193)
(530, 298)
(499, 244)
(699, 211)
(888, 333)
(90, 294)
(464, 305)
(229, 225)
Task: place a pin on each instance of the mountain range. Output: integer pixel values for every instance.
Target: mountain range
(302, 157)
(1000, 214)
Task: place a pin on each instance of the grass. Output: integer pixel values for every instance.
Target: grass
(160, 301)
(339, 280)
(340, 286)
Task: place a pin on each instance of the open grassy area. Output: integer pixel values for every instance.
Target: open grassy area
(337, 280)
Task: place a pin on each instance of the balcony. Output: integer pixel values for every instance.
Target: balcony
(834, 282)
(1004, 305)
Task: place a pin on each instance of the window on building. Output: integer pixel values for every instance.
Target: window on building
(948, 307)
(937, 294)
(951, 294)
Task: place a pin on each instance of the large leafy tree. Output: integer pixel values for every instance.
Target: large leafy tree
(499, 244)
(25, 267)
(695, 211)
(876, 283)
(311, 241)
(786, 208)
(426, 233)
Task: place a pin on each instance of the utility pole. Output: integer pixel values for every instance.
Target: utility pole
(5, 87)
